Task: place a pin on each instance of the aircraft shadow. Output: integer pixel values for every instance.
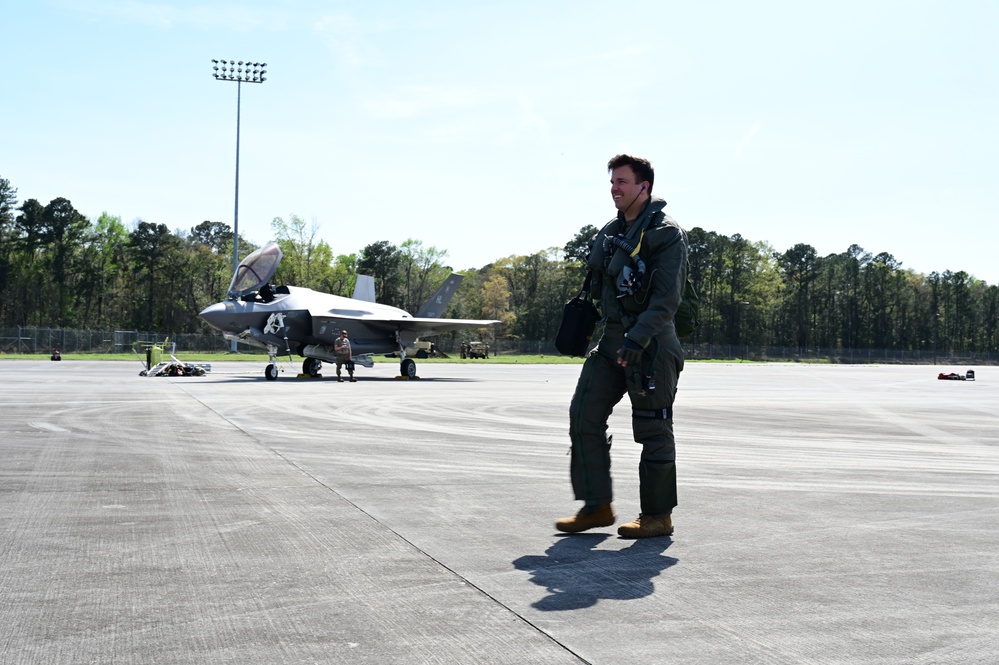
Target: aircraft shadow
(577, 575)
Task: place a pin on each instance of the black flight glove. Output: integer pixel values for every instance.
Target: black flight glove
(630, 353)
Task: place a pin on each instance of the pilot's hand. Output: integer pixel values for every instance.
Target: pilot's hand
(630, 353)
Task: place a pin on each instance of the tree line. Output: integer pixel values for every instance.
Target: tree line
(60, 269)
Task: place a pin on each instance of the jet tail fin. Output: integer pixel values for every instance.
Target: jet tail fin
(433, 308)
(364, 289)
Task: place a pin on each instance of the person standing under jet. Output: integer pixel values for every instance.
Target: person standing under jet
(638, 272)
(341, 348)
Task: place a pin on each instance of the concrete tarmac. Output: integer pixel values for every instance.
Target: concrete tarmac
(828, 514)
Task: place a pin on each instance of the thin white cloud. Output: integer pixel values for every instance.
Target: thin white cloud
(345, 39)
(529, 121)
(464, 113)
(412, 101)
(747, 138)
(168, 15)
(629, 53)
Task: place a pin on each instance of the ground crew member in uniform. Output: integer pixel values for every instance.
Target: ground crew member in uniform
(638, 272)
(341, 348)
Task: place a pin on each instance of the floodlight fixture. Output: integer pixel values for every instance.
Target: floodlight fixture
(241, 72)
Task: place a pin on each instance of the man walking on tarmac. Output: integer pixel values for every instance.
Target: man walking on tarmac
(341, 348)
(637, 267)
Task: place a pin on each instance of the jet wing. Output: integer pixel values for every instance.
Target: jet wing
(420, 327)
(326, 325)
(410, 329)
(430, 327)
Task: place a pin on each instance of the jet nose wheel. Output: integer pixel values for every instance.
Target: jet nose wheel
(408, 369)
(271, 372)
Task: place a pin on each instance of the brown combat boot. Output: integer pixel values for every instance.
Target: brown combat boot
(589, 517)
(647, 526)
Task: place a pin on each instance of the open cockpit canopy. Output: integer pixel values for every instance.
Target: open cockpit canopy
(255, 270)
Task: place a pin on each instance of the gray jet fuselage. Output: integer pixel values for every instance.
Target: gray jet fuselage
(304, 317)
(297, 320)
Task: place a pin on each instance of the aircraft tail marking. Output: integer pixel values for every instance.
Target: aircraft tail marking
(433, 308)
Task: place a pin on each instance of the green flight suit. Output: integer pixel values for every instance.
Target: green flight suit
(646, 316)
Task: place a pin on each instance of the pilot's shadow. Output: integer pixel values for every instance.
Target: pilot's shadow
(577, 575)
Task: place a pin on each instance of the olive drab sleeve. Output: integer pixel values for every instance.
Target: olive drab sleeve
(666, 275)
(595, 264)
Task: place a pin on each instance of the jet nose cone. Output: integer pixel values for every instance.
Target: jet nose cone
(215, 315)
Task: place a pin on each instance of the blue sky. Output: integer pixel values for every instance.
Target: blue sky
(484, 128)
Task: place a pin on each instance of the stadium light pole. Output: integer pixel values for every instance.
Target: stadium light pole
(240, 72)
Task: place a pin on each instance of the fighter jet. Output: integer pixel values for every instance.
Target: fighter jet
(294, 320)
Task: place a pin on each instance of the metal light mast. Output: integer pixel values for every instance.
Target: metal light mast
(240, 72)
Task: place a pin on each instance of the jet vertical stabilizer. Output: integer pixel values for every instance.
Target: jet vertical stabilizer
(364, 289)
(433, 308)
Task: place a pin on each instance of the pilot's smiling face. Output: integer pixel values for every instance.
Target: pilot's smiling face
(625, 187)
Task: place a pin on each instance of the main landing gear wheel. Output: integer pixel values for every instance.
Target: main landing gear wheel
(408, 368)
(311, 366)
(271, 372)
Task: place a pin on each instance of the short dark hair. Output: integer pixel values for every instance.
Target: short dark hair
(641, 167)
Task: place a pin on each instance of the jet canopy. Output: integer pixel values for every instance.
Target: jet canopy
(255, 270)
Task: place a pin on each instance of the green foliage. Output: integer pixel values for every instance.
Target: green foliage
(157, 261)
(8, 202)
(214, 235)
(342, 276)
(57, 268)
(421, 267)
(103, 263)
(467, 303)
(63, 229)
(381, 260)
(577, 250)
(305, 263)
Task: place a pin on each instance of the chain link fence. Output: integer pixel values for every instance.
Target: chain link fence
(22, 340)
(67, 340)
(845, 356)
